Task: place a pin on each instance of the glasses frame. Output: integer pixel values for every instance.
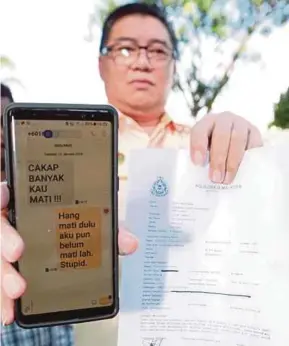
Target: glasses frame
(108, 50)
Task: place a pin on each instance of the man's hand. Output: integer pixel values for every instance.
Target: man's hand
(12, 283)
(227, 137)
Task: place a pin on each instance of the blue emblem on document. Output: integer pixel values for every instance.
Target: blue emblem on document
(160, 188)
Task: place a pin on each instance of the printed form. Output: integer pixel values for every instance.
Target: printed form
(212, 267)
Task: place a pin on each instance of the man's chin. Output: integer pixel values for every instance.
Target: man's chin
(141, 100)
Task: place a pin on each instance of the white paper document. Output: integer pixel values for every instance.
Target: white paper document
(212, 267)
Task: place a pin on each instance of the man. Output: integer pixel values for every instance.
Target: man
(6, 98)
(137, 64)
(138, 53)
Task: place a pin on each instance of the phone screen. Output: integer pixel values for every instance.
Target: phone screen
(63, 202)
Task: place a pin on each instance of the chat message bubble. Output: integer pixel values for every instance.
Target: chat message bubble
(50, 182)
(78, 237)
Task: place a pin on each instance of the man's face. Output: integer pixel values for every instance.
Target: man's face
(4, 102)
(139, 82)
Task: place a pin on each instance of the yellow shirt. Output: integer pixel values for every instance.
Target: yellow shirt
(167, 134)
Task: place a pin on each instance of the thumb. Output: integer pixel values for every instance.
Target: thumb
(127, 242)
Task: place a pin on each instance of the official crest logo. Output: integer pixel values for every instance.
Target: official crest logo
(160, 187)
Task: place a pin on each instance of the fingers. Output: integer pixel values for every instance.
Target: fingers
(127, 242)
(12, 245)
(227, 136)
(7, 309)
(255, 139)
(13, 284)
(12, 287)
(220, 143)
(237, 148)
(200, 135)
(4, 195)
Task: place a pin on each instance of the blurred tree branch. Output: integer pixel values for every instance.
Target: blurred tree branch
(227, 25)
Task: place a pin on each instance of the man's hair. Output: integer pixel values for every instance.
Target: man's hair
(141, 9)
(6, 92)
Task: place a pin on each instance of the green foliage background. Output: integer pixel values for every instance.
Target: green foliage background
(281, 112)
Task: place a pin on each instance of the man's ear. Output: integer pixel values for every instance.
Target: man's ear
(101, 67)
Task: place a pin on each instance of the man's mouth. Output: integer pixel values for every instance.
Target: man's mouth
(142, 82)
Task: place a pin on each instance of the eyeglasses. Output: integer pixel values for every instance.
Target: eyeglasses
(127, 53)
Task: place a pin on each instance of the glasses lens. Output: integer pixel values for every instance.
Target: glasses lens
(128, 53)
(158, 53)
(125, 54)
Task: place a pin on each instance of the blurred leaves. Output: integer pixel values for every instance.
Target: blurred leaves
(6, 62)
(257, 3)
(204, 6)
(8, 67)
(228, 25)
(281, 112)
(110, 6)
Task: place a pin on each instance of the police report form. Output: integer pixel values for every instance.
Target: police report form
(213, 263)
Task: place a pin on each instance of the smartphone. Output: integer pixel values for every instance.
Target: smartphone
(61, 168)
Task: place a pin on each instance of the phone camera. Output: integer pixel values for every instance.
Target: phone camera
(48, 134)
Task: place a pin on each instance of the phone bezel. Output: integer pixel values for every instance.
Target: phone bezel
(30, 111)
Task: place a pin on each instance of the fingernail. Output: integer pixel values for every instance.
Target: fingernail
(6, 317)
(12, 285)
(4, 320)
(128, 243)
(228, 178)
(198, 158)
(217, 176)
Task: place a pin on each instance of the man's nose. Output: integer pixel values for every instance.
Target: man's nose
(142, 60)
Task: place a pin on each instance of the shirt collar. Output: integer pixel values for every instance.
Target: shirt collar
(127, 122)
